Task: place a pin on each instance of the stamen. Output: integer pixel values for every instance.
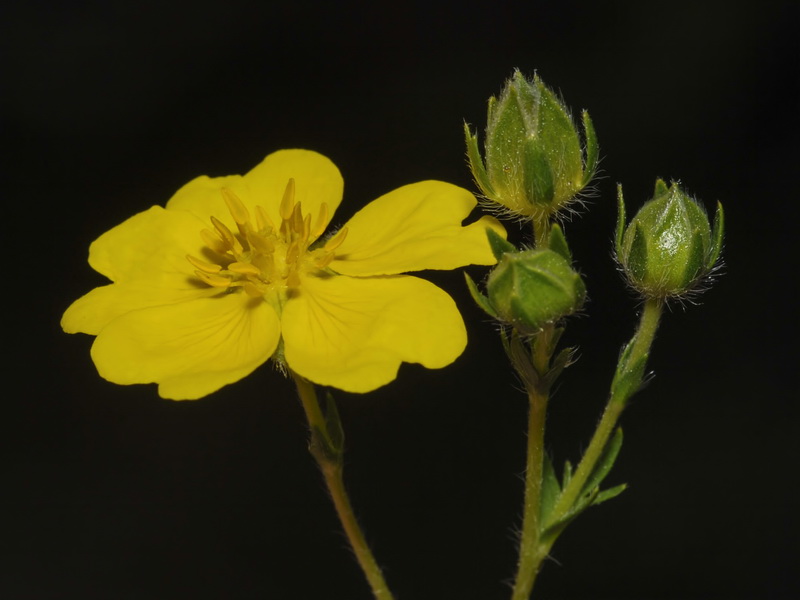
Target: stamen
(297, 219)
(214, 280)
(326, 259)
(263, 222)
(287, 204)
(252, 290)
(337, 240)
(237, 209)
(306, 228)
(226, 235)
(213, 241)
(292, 253)
(322, 221)
(293, 280)
(244, 268)
(204, 266)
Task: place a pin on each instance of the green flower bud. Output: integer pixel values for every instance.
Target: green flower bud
(531, 288)
(535, 164)
(668, 247)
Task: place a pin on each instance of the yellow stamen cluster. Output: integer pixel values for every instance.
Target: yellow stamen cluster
(261, 257)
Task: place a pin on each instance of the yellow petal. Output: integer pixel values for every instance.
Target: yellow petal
(189, 348)
(203, 198)
(317, 181)
(354, 333)
(150, 246)
(93, 311)
(415, 227)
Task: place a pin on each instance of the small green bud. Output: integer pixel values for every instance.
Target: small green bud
(668, 247)
(535, 164)
(533, 287)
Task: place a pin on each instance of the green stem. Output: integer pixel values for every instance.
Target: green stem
(643, 339)
(541, 232)
(529, 559)
(538, 397)
(330, 463)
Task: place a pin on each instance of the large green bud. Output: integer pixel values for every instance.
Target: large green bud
(531, 288)
(535, 164)
(669, 247)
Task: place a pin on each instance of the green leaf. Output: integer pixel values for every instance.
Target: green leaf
(716, 237)
(550, 490)
(628, 377)
(609, 494)
(558, 364)
(604, 463)
(476, 162)
(592, 149)
(567, 476)
(499, 244)
(620, 223)
(481, 300)
(558, 243)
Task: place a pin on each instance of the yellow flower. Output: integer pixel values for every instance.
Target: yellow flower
(236, 269)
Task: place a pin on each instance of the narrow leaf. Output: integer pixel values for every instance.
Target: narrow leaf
(550, 490)
(604, 463)
(609, 493)
(716, 237)
(592, 149)
(620, 222)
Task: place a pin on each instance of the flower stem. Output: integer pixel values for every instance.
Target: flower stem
(530, 557)
(529, 547)
(642, 340)
(328, 454)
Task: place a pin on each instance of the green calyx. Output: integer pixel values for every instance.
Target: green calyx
(535, 163)
(669, 246)
(531, 288)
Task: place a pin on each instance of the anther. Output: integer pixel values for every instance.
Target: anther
(213, 241)
(322, 221)
(287, 204)
(237, 209)
(337, 240)
(214, 280)
(204, 266)
(243, 268)
(263, 222)
(226, 235)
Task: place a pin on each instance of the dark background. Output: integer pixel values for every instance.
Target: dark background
(110, 492)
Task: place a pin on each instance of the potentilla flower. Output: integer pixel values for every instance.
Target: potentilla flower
(236, 270)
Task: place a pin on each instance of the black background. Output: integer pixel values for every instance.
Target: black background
(110, 492)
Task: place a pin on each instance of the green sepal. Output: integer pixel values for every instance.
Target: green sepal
(695, 260)
(716, 237)
(621, 218)
(498, 244)
(476, 162)
(481, 300)
(637, 255)
(558, 243)
(609, 493)
(628, 377)
(539, 180)
(550, 490)
(604, 463)
(661, 188)
(592, 149)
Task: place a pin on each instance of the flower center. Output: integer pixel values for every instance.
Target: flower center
(261, 258)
